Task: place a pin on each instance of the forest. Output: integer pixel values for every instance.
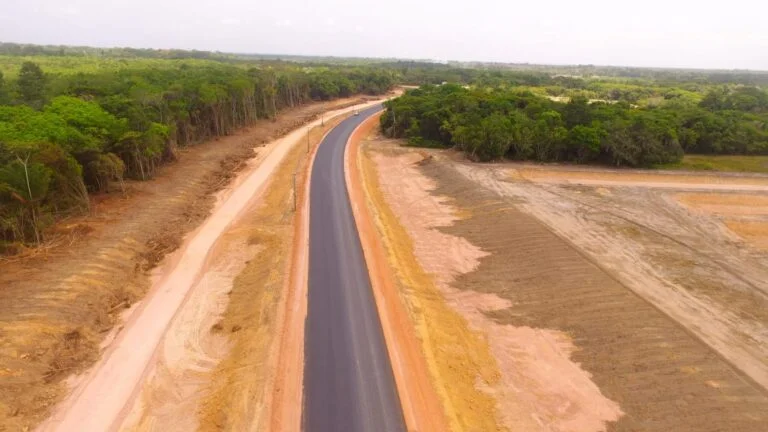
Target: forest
(71, 127)
(631, 124)
(76, 121)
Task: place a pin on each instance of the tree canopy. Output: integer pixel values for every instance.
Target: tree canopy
(75, 120)
(74, 132)
(494, 123)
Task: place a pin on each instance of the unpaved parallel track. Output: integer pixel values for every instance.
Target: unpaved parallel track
(58, 303)
(106, 394)
(348, 380)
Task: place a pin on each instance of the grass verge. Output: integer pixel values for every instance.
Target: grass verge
(751, 164)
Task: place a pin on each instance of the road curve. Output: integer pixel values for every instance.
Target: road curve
(348, 380)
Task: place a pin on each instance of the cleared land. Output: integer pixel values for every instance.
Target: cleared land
(579, 299)
(219, 352)
(58, 305)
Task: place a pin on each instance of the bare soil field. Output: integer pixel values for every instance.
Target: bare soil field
(217, 353)
(59, 304)
(746, 215)
(581, 299)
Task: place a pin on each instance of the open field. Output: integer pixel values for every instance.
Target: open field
(643, 178)
(583, 299)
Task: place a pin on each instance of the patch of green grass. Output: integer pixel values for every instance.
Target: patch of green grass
(755, 164)
(421, 142)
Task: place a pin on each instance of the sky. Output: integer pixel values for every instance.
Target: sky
(730, 34)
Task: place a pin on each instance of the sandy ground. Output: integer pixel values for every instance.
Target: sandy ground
(58, 306)
(603, 306)
(134, 353)
(687, 263)
(193, 344)
(746, 215)
(659, 179)
(527, 396)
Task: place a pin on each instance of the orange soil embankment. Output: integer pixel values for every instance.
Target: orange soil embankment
(421, 405)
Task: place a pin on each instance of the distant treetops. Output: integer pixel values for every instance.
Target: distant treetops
(490, 123)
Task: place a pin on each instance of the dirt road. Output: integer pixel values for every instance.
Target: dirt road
(113, 383)
(59, 305)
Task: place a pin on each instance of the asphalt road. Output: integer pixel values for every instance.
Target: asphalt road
(348, 381)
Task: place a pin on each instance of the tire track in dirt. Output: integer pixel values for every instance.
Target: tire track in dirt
(661, 376)
(727, 314)
(724, 266)
(717, 263)
(686, 264)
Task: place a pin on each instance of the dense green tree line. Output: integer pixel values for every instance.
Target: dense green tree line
(417, 72)
(746, 77)
(76, 120)
(63, 136)
(15, 49)
(653, 88)
(490, 124)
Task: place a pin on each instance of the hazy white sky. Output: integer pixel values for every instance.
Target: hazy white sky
(675, 33)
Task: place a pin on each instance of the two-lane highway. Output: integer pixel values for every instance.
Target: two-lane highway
(348, 381)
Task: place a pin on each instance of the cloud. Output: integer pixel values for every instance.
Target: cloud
(284, 23)
(230, 21)
(70, 10)
(58, 11)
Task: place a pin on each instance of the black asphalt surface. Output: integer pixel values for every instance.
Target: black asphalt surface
(348, 381)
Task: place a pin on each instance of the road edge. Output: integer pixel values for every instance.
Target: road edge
(287, 383)
(422, 408)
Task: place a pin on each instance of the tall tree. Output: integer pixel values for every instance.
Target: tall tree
(31, 85)
(27, 184)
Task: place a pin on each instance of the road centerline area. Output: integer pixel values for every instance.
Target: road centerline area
(348, 380)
